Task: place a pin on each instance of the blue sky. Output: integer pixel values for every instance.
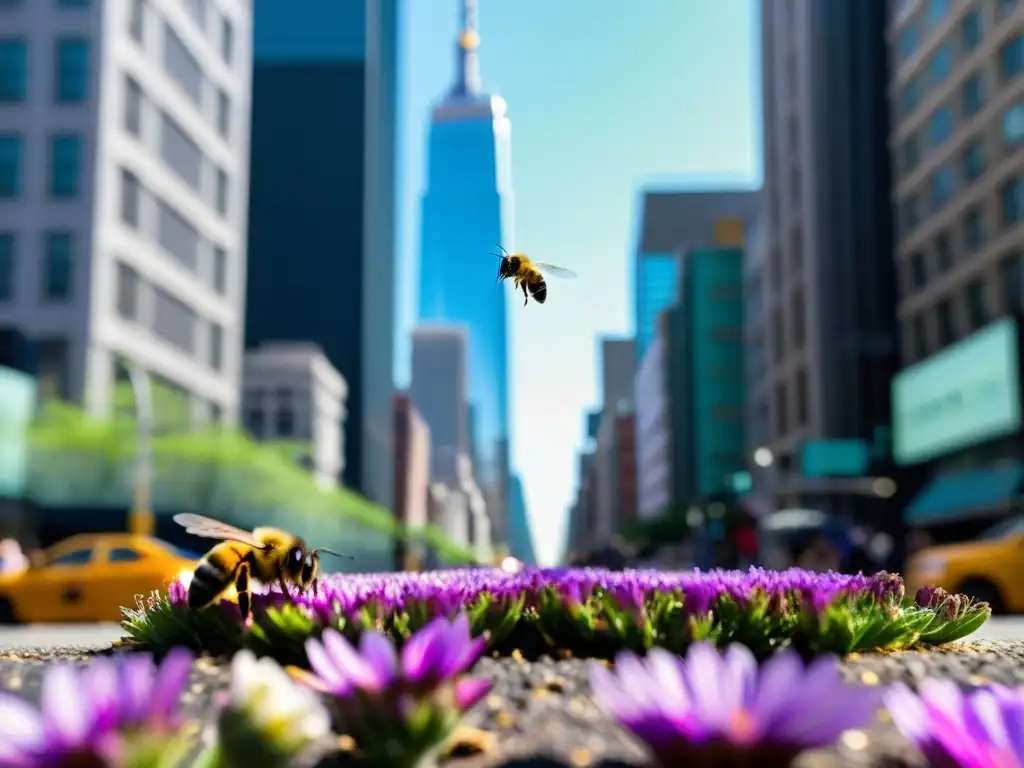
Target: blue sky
(603, 95)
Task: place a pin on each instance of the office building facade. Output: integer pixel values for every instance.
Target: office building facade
(438, 392)
(412, 477)
(672, 223)
(653, 440)
(123, 175)
(520, 542)
(827, 232)
(321, 261)
(618, 367)
(625, 467)
(466, 210)
(292, 392)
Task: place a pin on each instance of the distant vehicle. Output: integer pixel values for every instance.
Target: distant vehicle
(987, 568)
(89, 577)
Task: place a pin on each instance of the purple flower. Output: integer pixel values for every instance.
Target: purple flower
(981, 729)
(85, 713)
(435, 656)
(710, 706)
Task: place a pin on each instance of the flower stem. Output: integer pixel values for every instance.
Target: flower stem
(211, 757)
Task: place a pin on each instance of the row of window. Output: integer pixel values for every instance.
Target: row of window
(179, 151)
(801, 394)
(57, 266)
(798, 326)
(970, 33)
(972, 92)
(174, 232)
(979, 308)
(972, 222)
(64, 166)
(70, 72)
(172, 320)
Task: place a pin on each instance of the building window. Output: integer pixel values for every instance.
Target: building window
(8, 243)
(947, 327)
(1006, 7)
(944, 251)
(10, 166)
(910, 96)
(223, 113)
(65, 165)
(911, 152)
(72, 69)
(58, 271)
(920, 335)
(977, 307)
(802, 397)
(216, 347)
(941, 64)
(221, 200)
(137, 20)
(255, 422)
(907, 41)
(127, 292)
(910, 213)
(131, 198)
(180, 152)
(198, 10)
(940, 187)
(918, 271)
(940, 126)
(1011, 281)
(778, 336)
(798, 319)
(132, 106)
(937, 11)
(781, 410)
(227, 40)
(177, 236)
(52, 370)
(284, 422)
(1011, 58)
(973, 160)
(174, 321)
(974, 230)
(182, 66)
(972, 94)
(970, 31)
(220, 270)
(1012, 196)
(13, 71)
(1013, 125)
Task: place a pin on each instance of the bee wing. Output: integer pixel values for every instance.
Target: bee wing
(554, 271)
(208, 528)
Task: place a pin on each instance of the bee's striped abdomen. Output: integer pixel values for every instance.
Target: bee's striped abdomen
(209, 580)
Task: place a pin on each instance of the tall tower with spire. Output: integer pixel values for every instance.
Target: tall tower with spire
(466, 211)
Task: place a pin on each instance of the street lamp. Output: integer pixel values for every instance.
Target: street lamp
(763, 457)
(140, 519)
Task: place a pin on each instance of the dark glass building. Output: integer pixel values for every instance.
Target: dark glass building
(465, 213)
(322, 200)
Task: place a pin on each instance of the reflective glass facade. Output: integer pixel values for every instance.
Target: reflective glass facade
(465, 214)
(657, 276)
(520, 540)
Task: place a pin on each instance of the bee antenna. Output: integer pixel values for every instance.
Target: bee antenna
(331, 552)
(502, 249)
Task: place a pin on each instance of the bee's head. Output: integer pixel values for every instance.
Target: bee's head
(507, 266)
(295, 561)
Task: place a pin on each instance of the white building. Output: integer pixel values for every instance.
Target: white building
(124, 152)
(292, 392)
(653, 432)
(459, 508)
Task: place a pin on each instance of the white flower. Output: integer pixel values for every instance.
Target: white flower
(286, 714)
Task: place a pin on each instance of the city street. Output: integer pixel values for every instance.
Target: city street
(43, 636)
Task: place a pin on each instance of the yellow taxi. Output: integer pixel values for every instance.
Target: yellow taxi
(987, 568)
(89, 577)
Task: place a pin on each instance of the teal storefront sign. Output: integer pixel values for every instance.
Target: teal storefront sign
(965, 395)
(17, 408)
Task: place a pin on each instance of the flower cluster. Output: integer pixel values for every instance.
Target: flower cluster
(591, 612)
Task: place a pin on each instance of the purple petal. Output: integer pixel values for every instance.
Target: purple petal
(101, 680)
(171, 679)
(66, 710)
(379, 653)
(470, 690)
(665, 667)
(908, 713)
(353, 668)
(703, 672)
(780, 675)
(136, 681)
(324, 667)
(423, 651)
(21, 727)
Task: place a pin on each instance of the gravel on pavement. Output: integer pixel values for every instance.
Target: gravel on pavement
(540, 712)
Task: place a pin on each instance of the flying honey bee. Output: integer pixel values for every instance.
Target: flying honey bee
(266, 555)
(528, 274)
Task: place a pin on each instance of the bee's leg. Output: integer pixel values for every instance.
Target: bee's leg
(284, 585)
(242, 588)
(525, 294)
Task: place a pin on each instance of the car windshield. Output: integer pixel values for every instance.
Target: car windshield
(1003, 528)
(179, 551)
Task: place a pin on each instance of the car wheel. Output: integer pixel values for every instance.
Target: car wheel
(7, 612)
(983, 590)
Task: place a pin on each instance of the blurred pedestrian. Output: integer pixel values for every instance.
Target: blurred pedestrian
(12, 558)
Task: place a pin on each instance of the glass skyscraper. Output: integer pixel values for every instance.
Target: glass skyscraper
(466, 213)
(657, 278)
(321, 210)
